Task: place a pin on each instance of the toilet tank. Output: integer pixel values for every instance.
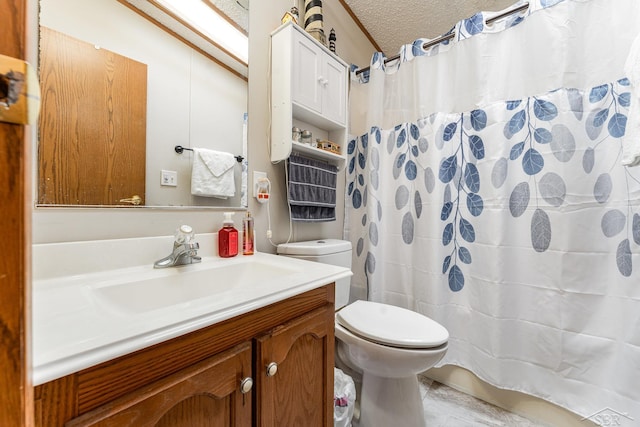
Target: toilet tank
(327, 251)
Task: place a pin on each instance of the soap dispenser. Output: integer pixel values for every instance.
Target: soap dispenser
(227, 237)
(247, 235)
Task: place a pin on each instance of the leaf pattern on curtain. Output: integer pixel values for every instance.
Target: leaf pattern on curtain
(460, 172)
(610, 103)
(529, 165)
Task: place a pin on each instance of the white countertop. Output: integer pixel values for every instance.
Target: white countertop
(74, 329)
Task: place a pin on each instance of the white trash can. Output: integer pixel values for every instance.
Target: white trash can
(344, 398)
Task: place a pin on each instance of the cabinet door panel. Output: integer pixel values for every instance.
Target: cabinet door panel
(198, 411)
(334, 102)
(301, 392)
(204, 395)
(306, 88)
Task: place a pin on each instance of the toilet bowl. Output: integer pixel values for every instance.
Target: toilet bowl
(387, 345)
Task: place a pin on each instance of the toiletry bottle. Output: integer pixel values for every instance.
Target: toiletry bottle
(247, 235)
(227, 238)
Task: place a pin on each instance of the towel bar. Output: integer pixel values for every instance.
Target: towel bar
(179, 149)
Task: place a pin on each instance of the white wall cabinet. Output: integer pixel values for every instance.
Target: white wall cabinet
(318, 79)
(309, 91)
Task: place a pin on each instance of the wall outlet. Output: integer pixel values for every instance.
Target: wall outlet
(260, 186)
(169, 178)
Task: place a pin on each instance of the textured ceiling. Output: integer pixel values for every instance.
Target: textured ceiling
(237, 10)
(393, 23)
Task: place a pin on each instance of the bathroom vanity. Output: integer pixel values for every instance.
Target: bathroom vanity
(205, 377)
(250, 353)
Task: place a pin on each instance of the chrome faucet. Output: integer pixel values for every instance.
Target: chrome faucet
(185, 250)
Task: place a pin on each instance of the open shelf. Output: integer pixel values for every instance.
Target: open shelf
(316, 153)
(313, 117)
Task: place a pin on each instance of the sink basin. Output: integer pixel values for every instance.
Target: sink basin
(98, 300)
(184, 285)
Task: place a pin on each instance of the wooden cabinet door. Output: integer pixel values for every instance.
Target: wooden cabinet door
(306, 75)
(334, 101)
(300, 392)
(207, 394)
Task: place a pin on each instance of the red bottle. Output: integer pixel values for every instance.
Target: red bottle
(227, 238)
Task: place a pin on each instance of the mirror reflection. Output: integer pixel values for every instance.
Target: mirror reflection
(120, 93)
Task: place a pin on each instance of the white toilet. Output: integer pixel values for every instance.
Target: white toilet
(388, 345)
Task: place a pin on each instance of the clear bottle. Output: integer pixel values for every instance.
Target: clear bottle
(227, 237)
(247, 235)
(306, 137)
(295, 134)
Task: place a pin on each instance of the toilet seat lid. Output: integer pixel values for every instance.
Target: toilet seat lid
(390, 325)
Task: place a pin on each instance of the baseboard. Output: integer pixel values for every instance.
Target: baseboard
(530, 407)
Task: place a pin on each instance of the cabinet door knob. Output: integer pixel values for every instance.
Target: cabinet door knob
(272, 369)
(246, 385)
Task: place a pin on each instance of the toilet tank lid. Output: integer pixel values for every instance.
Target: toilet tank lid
(315, 247)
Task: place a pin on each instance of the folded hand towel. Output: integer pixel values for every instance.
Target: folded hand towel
(631, 139)
(212, 173)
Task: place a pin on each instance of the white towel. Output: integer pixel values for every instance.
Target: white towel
(631, 139)
(212, 174)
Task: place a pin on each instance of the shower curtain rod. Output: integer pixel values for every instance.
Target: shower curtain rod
(449, 36)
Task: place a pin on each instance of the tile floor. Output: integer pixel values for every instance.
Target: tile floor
(446, 407)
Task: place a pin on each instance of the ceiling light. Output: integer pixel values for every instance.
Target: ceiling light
(210, 24)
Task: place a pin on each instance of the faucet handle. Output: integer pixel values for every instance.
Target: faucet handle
(184, 234)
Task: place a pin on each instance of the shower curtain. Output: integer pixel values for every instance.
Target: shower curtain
(485, 190)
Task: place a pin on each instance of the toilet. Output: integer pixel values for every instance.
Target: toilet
(387, 345)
